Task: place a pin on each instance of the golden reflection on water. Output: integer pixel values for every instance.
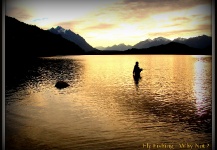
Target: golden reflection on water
(162, 78)
(103, 108)
(202, 84)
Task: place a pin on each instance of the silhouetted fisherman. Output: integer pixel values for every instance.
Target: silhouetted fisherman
(136, 71)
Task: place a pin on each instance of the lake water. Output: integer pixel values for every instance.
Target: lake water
(104, 108)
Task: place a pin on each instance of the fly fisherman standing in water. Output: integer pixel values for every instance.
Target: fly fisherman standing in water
(137, 70)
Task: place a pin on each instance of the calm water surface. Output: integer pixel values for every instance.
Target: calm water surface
(105, 108)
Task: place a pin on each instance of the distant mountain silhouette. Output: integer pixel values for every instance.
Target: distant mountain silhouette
(71, 36)
(196, 42)
(149, 43)
(25, 41)
(120, 47)
(200, 42)
(143, 44)
(169, 48)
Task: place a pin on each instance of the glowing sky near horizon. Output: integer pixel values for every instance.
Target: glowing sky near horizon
(106, 23)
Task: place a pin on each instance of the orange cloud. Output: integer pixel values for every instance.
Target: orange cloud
(206, 18)
(136, 10)
(184, 32)
(101, 26)
(69, 24)
(166, 4)
(19, 13)
(204, 27)
(173, 25)
(181, 19)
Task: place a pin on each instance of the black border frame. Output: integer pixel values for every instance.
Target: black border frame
(2, 81)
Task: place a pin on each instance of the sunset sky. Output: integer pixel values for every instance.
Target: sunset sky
(110, 22)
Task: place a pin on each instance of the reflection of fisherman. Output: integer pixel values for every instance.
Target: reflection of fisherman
(137, 70)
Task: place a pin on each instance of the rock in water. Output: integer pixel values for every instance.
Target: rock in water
(61, 84)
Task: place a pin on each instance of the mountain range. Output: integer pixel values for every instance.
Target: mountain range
(173, 48)
(120, 47)
(23, 40)
(200, 42)
(73, 37)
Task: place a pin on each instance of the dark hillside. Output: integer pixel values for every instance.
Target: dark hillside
(23, 40)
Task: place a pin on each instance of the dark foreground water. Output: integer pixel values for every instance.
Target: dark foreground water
(104, 108)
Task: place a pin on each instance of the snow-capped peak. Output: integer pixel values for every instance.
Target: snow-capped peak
(60, 29)
(71, 36)
(179, 39)
(149, 39)
(161, 39)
